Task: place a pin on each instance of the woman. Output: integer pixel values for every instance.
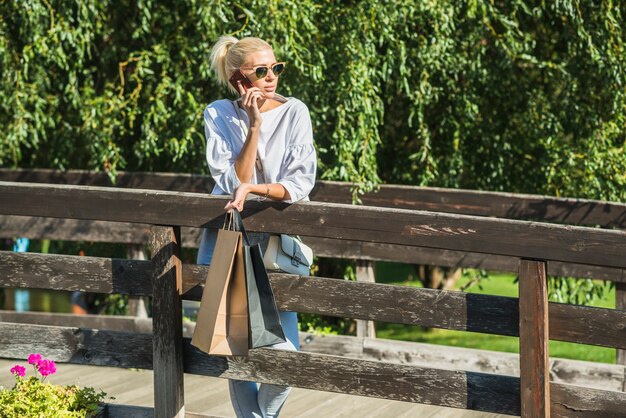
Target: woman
(259, 144)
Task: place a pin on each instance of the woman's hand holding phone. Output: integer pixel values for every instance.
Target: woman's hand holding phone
(249, 102)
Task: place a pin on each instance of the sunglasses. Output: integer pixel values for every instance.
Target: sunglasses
(261, 70)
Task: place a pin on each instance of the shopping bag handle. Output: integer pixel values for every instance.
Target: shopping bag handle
(238, 225)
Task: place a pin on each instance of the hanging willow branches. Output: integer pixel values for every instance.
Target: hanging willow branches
(503, 95)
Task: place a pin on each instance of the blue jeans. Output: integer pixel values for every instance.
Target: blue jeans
(263, 400)
(250, 399)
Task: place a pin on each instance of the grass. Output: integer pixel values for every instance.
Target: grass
(499, 284)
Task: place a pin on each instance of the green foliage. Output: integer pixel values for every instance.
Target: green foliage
(322, 325)
(577, 291)
(32, 398)
(516, 95)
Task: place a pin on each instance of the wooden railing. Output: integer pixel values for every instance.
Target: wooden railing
(468, 202)
(163, 277)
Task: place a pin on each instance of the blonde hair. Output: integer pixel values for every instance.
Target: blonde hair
(229, 53)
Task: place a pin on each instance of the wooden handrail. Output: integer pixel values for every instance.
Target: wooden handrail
(132, 233)
(383, 225)
(469, 202)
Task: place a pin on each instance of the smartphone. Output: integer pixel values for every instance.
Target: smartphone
(239, 76)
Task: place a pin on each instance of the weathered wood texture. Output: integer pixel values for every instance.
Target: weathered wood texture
(533, 341)
(77, 345)
(457, 389)
(101, 322)
(167, 322)
(390, 226)
(67, 272)
(73, 229)
(482, 203)
(454, 389)
(368, 301)
(469, 202)
(130, 233)
(129, 411)
(137, 180)
(334, 248)
(580, 373)
(443, 309)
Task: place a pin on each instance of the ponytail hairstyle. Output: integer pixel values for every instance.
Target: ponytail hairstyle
(229, 53)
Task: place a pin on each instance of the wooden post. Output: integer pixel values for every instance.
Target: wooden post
(365, 273)
(533, 340)
(136, 304)
(620, 303)
(167, 322)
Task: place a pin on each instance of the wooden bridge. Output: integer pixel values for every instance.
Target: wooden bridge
(368, 233)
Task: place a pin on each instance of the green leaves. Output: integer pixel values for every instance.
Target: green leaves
(480, 94)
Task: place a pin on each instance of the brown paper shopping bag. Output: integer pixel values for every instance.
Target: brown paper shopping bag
(222, 325)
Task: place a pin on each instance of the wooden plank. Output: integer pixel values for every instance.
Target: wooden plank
(75, 273)
(391, 226)
(469, 202)
(458, 389)
(483, 203)
(138, 180)
(489, 393)
(131, 411)
(338, 345)
(128, 233)
(584, 323)
(167, 322)
(77, 345)
(334, 248)
(443, 309)
(477, 391)
(533, 325)
(344, 299)
(73, 229)
(128, 411)
(102, 322)
(572, 401)
(365, 274)
(581, 373)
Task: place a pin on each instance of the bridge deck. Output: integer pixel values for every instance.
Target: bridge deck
(209, 395)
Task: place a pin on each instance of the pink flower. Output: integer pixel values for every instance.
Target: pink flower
(18, 370)
(47, 367)
(34, 359)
